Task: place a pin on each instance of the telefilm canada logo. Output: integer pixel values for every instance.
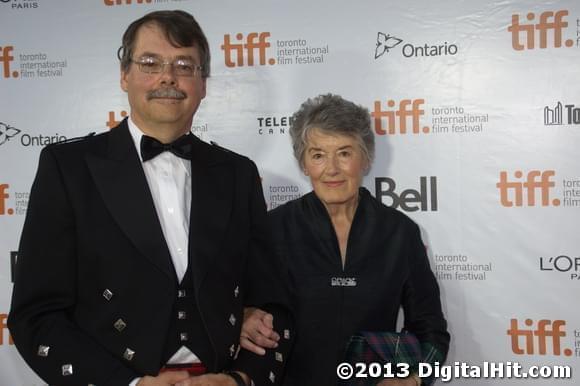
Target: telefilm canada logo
(260, 49)
(273, 124)
(549, 29)
(561, 114)
(20, 4)
(386, 43)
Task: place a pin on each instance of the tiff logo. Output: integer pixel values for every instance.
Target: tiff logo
(112, 122)
(512, 192)
(6, 58)
(408, 110)
(548, 21)
(555, 116)
(4, 327)
(545, 328)
(109, 3)
(3, 197)
(248, 47)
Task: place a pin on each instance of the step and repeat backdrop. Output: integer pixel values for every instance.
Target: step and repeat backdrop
(475, 107)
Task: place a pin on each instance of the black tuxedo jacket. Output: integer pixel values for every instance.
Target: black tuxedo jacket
(92, 252)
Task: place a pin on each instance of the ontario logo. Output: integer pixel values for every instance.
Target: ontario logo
(561, 114)
(385, 43)
(524, 36)
(7, 132)
(257, 49)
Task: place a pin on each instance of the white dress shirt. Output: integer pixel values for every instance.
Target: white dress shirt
(169, 180)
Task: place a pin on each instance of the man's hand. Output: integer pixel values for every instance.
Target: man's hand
(258, 331)
(168, 378)
(208, 380)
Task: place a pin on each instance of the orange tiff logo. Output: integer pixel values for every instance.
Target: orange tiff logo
(109, 3)
(6, 58)
(4, 327)
(512, 192)
(549, 21)
(112, 122)
(537, 338)
(3, 197)
(253, 42)
(408, 109)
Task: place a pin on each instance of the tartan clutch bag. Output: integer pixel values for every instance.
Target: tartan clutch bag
(381, 347)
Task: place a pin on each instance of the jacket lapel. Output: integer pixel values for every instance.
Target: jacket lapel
(120, 180)
(211, 205)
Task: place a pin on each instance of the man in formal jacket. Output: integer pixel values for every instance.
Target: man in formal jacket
(142, 246)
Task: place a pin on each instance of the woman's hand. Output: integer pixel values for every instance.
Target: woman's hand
(258, 331)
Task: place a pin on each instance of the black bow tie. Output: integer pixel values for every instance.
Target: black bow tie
(181, 147)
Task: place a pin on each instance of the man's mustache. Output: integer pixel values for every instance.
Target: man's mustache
(166, 93)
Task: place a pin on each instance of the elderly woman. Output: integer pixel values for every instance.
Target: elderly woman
(351, 262)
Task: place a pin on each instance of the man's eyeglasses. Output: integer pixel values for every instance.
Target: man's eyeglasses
(182, 67)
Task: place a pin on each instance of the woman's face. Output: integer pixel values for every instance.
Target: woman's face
(335, 165)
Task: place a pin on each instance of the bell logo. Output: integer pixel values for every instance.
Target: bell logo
(426, 195)
(548, 21)
(512, 192)
(109, 3)
(112, 122)
(5, 59)
(3, 196)
(545, 328)
(249, 46)
(408, 109)
(4, 327)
